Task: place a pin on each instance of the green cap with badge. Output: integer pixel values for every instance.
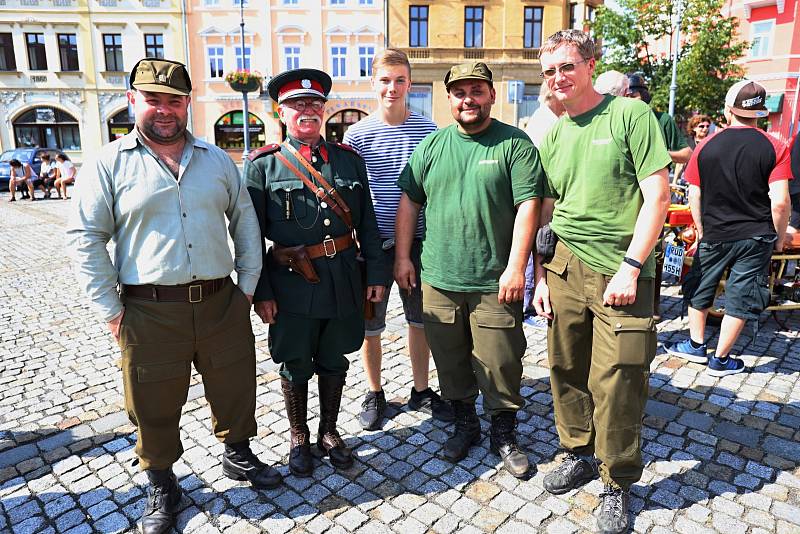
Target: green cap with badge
(161, 76)
(467, 71)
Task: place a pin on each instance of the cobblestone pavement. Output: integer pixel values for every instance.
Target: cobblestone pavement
(720, 454)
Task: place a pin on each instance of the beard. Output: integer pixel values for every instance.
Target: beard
(477, 116)
(164, 134)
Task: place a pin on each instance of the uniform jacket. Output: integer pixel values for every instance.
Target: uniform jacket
(290, 214)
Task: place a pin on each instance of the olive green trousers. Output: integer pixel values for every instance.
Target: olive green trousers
(599, 366)
(160, 341)
(477, 344)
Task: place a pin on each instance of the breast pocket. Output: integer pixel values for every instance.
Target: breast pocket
(350, 189)
(289, 200)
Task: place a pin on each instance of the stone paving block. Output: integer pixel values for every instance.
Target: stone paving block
(352, 519)
(115, 522)
(409, 525)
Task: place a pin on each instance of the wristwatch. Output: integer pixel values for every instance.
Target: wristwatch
(633, 263)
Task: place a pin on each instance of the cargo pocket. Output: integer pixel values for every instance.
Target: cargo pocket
(439, 314)
(636, 340)
(558, 265)
(161, 372)
(487, 319)
(759, 295)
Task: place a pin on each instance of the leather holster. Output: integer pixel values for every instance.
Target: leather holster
(296, 258)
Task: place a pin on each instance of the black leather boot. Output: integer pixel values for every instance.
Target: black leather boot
(503, 442)
(467, 432)
(163, 501)
(239, 463)
(295, 396)
(328, 440)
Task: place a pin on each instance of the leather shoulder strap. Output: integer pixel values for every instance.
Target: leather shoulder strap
(263, 151)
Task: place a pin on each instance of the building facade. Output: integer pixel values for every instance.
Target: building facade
(64, 66)
(338, 36)
(772, 27)
(504, 34)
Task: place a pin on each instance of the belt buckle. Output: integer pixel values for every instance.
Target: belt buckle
(199, 293)
(325, 247)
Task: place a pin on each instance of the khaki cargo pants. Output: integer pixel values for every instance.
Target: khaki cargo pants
(477, 344)
(160, 341)
(599, 366)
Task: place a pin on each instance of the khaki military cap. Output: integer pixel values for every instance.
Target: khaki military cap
(468, 71)
(161, 76)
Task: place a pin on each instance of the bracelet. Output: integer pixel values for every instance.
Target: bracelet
(633, 263)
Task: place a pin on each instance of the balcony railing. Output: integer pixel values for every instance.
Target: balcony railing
(38, 3)
(489, 55)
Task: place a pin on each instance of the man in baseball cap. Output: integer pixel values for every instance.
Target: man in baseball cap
(169, 202)
(739, 194)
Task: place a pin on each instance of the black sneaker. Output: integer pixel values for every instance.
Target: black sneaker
(429, 402)
(572, 473)
(372, 410)
(613, 515)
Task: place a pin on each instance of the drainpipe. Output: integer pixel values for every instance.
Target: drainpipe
(385, 24)
(188, 58)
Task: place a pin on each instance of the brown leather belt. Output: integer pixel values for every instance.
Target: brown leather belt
(194, 292)
(328, 248)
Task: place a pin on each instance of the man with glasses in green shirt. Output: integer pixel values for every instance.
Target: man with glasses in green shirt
(608, 194)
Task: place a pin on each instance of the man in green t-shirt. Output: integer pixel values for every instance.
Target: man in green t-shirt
(480, 181)
(608, 195)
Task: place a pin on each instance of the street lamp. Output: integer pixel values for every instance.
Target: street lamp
(245, 111)
(673, 87)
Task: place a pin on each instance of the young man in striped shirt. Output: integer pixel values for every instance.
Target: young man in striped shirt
(385, 139)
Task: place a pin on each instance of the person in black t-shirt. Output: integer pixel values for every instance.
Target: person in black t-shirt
(739, 196)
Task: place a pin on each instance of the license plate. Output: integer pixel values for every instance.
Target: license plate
(673, 260)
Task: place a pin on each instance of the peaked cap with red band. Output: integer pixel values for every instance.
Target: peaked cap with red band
(297, 83)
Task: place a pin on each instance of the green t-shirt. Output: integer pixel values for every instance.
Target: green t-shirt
(672, 136)
(594, 163)
(470, 185)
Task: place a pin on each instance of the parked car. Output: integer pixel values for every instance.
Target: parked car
(31, 156)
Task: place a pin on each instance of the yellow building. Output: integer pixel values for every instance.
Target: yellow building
(338, 36)
(64, 64)
(504, 34)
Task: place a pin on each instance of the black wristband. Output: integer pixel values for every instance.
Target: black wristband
(632, 262)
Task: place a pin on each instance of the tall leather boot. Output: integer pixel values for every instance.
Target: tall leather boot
(503, 442)
(163, 501)
(467, 432)
(328, 440)
(295, 396)
(239, 463)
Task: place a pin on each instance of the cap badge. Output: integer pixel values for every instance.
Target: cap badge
(162, 78)
(306, 84)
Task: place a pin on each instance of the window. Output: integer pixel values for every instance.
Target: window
(366, 2)
(418, 26)
(473, 27)
(68, 51)
(420, 99)
(7, 59)
(761, 38)
(211, 3)
(239, 64)
(290, 2)
(590, 13)
(37, 58)
(291, 56)
(47, 127)
(154, 45)
(337, 2)
(339, 61)
(240, 3)
(229, 131)
(532, 37)
(112, 46)
(216, 63)
(573, 16)
(365, 55)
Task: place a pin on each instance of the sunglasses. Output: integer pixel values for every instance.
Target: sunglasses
(566, 68)
(704, 126)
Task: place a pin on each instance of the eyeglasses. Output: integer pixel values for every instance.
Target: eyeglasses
(566, 68)
(302, 105)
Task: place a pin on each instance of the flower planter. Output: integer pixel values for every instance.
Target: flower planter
(248, 86)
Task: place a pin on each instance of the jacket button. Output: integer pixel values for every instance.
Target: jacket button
(323, 205)
(326, 222)
(619, 325)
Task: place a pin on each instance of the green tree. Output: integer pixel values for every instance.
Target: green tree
(706, 62)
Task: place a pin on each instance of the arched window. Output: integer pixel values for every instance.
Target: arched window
(338, 124)
(47, 127)
(120, 124)
(229, 131)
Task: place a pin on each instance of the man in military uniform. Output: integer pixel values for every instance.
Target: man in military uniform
(312, 201)
(164, 197)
